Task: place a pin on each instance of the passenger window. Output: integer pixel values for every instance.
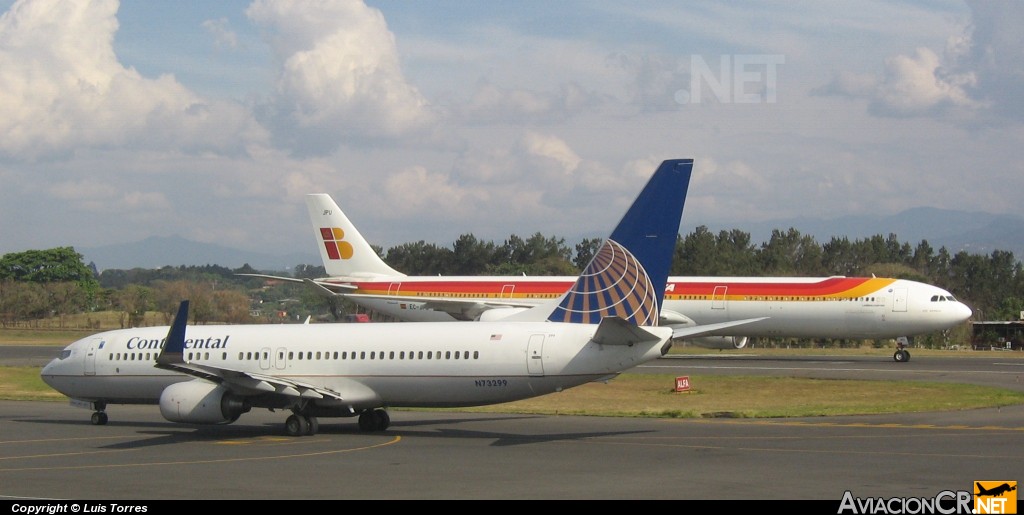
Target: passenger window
(476, 354)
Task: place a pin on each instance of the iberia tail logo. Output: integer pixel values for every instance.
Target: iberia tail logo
(334, 242)
(992, 497)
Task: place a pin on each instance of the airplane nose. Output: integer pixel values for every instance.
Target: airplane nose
(962, 312)
(47, 373)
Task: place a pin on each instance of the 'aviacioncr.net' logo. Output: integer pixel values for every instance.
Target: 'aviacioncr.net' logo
(995, 497)
(334, 242)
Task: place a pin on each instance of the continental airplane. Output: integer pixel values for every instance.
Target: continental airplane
(607, 322)
(793, 307)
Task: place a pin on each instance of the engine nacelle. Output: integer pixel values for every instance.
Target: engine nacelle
(201, 402)
(498, 313)
(719, 342)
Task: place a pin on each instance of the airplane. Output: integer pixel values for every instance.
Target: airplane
(794, 307)
(607, 322)
(995, 491)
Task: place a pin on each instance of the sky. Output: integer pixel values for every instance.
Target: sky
(427, 120)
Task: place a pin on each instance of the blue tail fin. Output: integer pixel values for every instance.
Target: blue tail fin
(627, 276)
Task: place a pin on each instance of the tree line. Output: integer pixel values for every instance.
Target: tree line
(53, 283)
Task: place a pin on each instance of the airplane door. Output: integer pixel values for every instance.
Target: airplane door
(899, 299)
(282, 358)
(506, 291)
(535, 355)
(90, 356)
(718, 297)
(265, 358)
(393, 288)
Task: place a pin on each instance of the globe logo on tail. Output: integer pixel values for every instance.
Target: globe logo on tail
(613, 284)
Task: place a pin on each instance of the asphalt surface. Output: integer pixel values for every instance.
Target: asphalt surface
(51, 451)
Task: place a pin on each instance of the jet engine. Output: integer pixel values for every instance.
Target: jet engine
(719, 342)
(201, 402)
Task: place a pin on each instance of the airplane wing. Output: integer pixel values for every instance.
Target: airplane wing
(460, 309)
(694, 331)
(171, 357)
(616, 331)
(328, 288)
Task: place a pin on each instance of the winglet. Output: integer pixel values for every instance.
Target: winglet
(627, 276)
(174, 345)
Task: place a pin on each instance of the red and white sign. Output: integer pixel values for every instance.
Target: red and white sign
(683, 383)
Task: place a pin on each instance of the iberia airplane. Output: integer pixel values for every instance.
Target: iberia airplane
(794, 307)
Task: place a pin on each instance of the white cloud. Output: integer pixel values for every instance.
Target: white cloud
(916, 84)
(222, 34)
(341, 80)
(913, 85)
(62, 88)
(978, 73)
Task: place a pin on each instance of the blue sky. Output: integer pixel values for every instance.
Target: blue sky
(427, 120)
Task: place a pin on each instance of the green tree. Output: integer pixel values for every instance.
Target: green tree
(61, 264)
(585, 251)
(695, 254)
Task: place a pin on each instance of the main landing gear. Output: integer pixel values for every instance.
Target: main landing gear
(374, 420)
(99, 417)
(301, 425)
(902, 354)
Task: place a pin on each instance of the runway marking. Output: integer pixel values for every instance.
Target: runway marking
(67, 439)
(833, 451)
(826, 369)
(887, 425)
(394, 440)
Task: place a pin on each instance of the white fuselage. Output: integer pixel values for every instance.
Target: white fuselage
(369, 365)
(833, 307)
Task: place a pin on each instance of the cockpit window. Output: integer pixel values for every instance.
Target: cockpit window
(65, 354)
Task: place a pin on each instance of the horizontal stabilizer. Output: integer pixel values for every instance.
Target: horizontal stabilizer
(701, 330)
(616, 331)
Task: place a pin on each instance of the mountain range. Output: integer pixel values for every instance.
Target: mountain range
(973, 232)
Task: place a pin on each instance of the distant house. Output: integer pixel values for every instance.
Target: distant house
(998, 335)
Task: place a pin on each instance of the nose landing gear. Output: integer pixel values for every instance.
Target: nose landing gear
(902, 354)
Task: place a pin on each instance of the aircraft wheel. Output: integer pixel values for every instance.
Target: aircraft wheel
(296, 425)
(99, 418)
(367, 421)
(906, 355)
(313, 426)
(383, 420)
(901, 355)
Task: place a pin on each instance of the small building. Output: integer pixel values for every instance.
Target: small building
(997, 335)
